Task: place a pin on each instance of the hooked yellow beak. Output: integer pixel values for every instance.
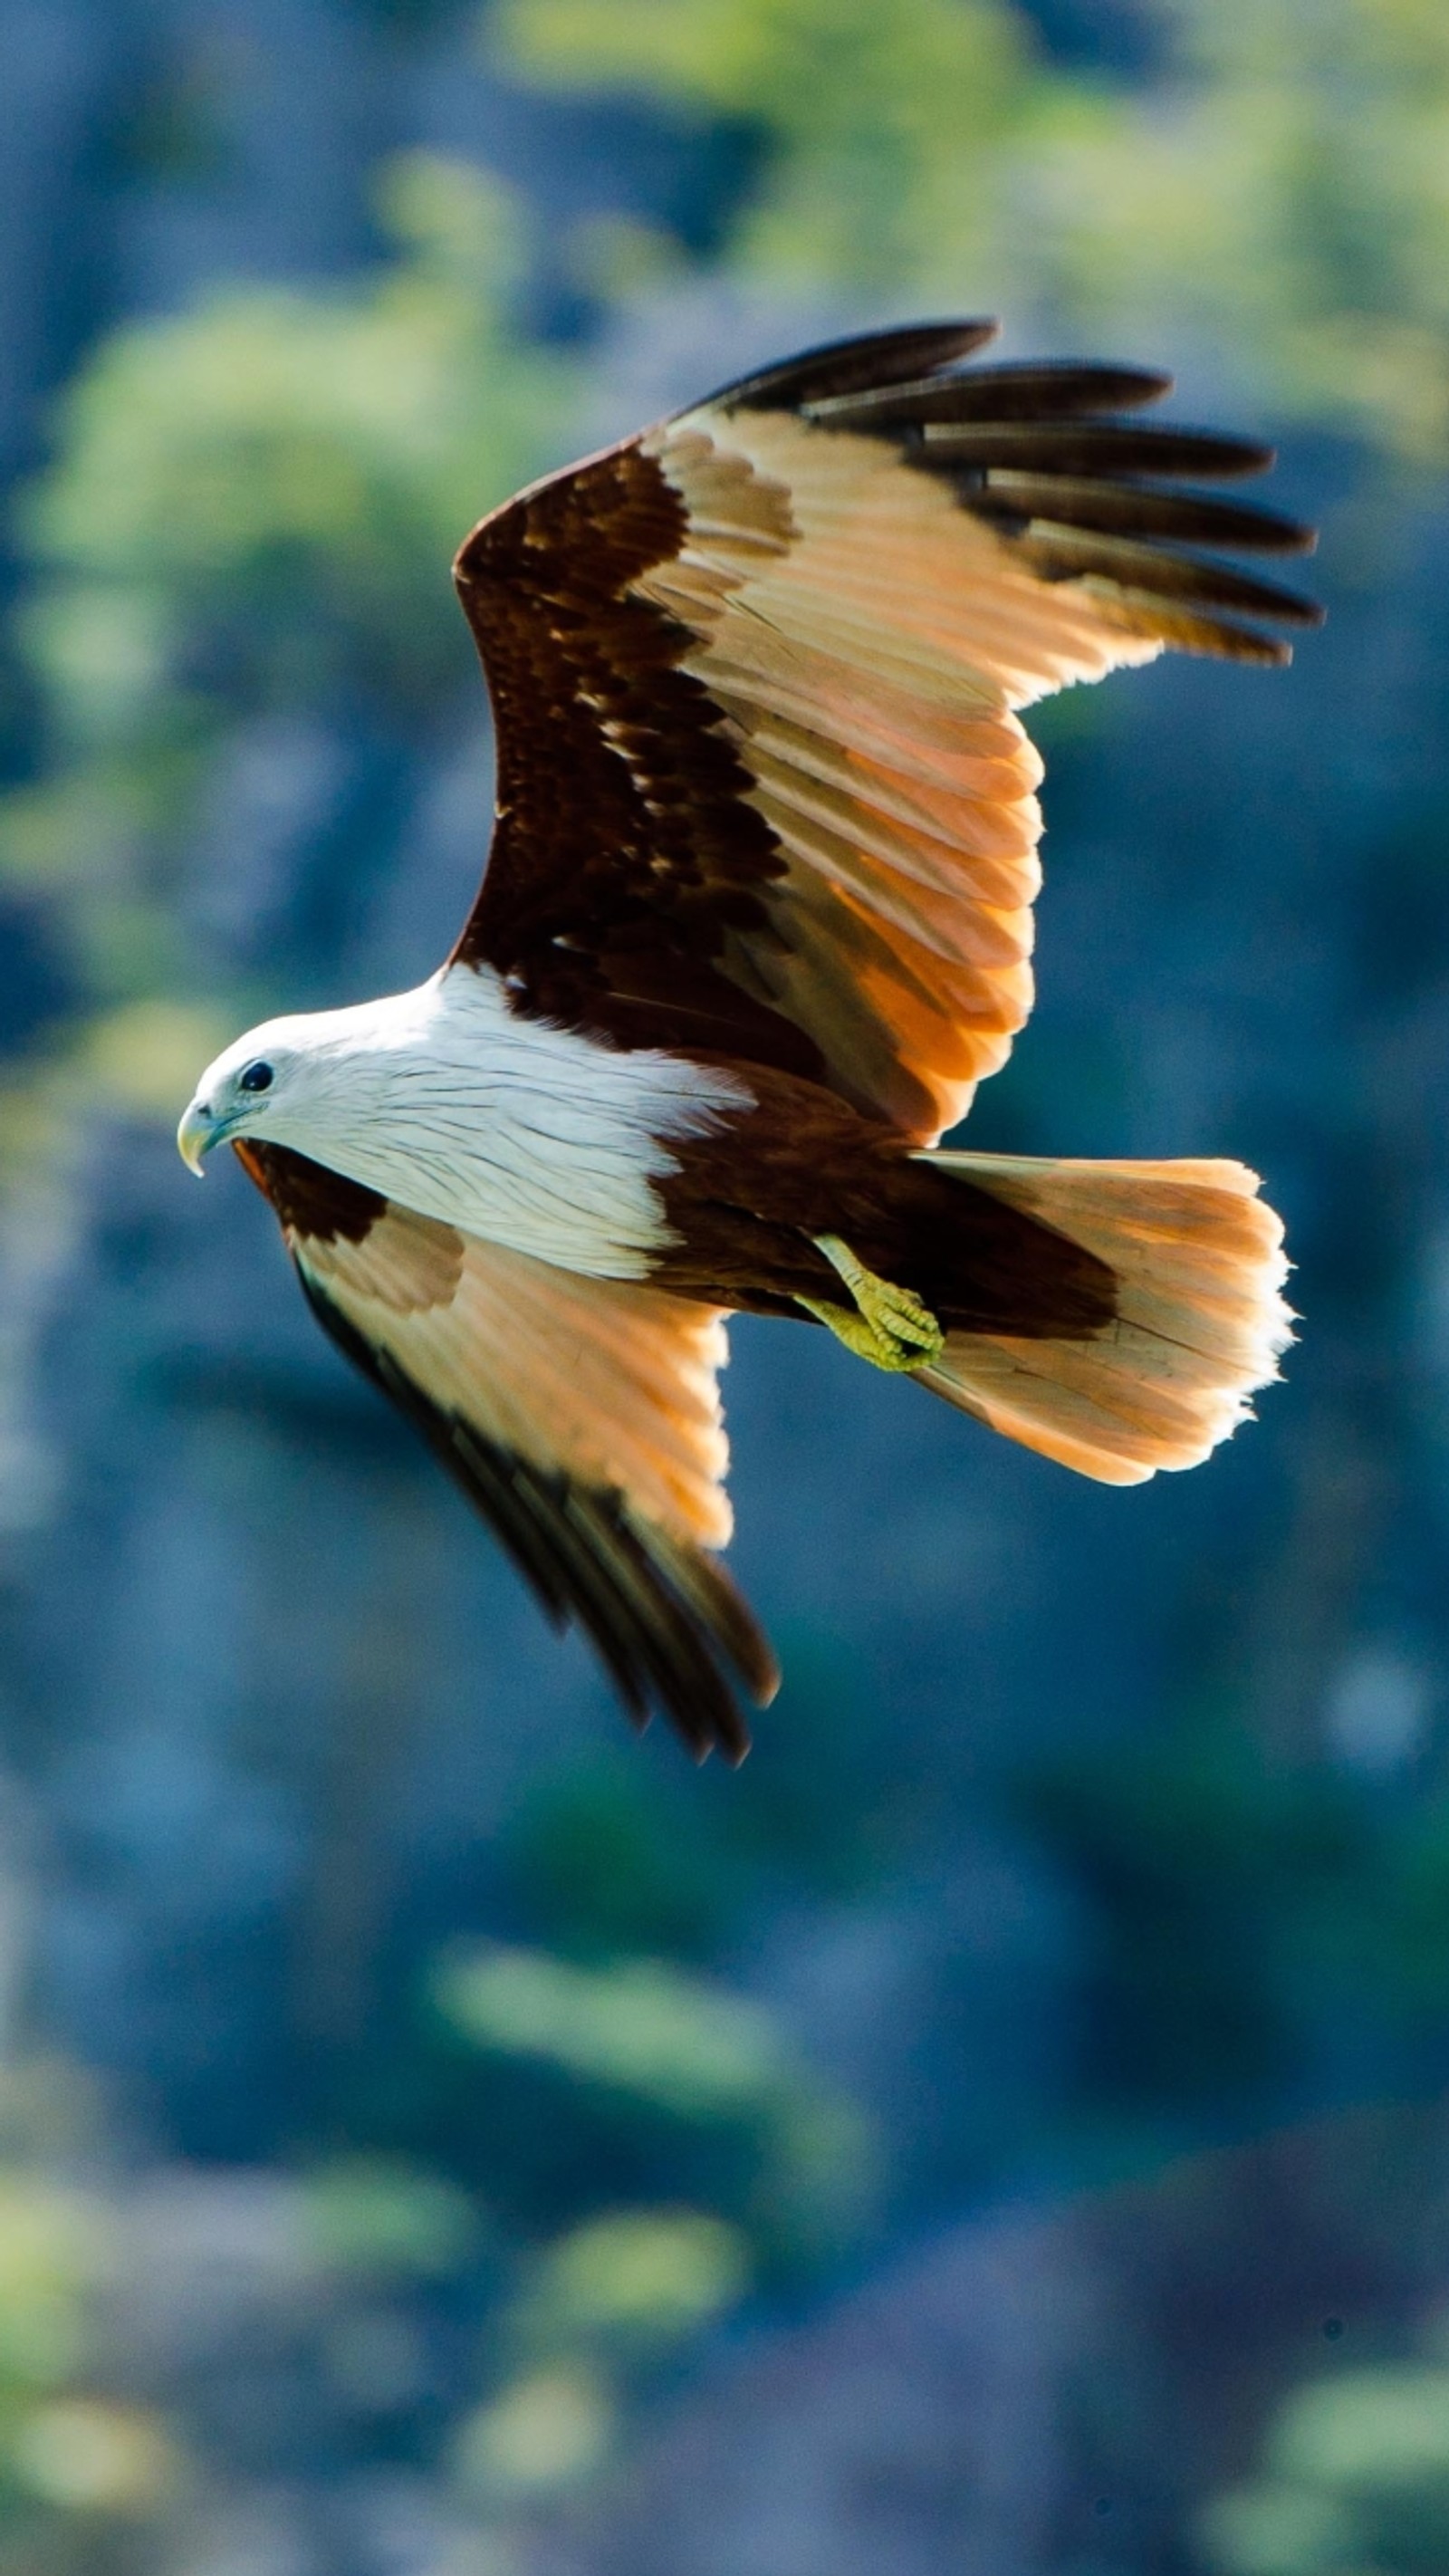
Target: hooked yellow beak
(198, 1131)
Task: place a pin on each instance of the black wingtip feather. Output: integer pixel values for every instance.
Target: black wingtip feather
(855, 365)
(1094, 447)
(1029, 390)
(1062, 553)
(1014, 499)
(1040, 450)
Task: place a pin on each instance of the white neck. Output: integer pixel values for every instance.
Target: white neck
(526, 1134)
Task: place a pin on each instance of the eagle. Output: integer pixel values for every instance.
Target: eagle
(756, 918)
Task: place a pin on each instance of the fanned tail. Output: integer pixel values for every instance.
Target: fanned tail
(1199, 1264)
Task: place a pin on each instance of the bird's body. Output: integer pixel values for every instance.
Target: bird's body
(756, 919)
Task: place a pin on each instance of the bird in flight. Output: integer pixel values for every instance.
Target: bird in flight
(755, 921)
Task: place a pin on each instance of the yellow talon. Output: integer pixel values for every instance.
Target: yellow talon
(889, 1326)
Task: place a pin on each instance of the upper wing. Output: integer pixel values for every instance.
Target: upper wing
(761, 785)
(581, 1416)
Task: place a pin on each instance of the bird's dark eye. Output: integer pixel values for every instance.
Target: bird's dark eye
(256, 1077)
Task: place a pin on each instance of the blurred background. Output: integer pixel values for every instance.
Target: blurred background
(1004, 2129)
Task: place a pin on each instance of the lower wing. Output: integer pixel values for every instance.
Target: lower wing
(580, 1416)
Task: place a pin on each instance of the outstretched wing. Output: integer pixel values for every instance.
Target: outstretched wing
(762, 788)
(580, 1416)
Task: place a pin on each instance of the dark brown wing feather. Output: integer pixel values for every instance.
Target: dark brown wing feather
(843, 368)
(623, 847)
(1038, 390)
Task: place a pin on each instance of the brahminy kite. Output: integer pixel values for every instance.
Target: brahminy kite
(755, 921)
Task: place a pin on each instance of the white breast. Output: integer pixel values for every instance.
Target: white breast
(528, 1135)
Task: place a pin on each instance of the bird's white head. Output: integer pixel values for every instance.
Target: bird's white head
(238, 1095)
(287, 1081)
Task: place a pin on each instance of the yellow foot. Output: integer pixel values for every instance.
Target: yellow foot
(889, 1326)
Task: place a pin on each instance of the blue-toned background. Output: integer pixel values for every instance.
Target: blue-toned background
(1001, 2130)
